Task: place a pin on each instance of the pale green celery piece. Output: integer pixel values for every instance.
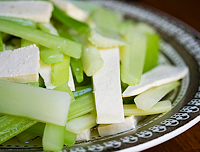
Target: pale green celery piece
(124, 25)
(153, 45)
(26, 136)
(65, 88)
(160, 107)
(69, 138)
(11, 126)
(36, 84)
(53, 138)
(26, 43)
(77, 69)
(39, 37)
(47, 27)
(37, 129)
(149, 98)
(24, 22)
(81, 123)
(31, 102)
(82, 105)
(91, 60)
(1, 42)
(133, 56)
(82, 90)
(60, 72)
(49, 56)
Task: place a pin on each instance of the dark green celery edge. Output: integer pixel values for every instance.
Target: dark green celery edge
(1, 42)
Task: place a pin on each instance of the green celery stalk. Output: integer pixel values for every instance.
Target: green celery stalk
(25, 136)
(81, 123)
(160, 107)
(153, 42)
(53, 138)
(37, 129)
(69, 21)
(60, 72)
(20, 21)
(69, 138)
(91, 60)
(29, 101)
(77, 69)
(49, 56)
(133, 56)
(11, 126)
(1, 42)
(82, 90)
(82, 105)
(149, 98)
(64, 45)
(47, 27)
(26, 43)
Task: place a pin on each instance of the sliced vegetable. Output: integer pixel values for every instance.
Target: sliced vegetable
(69, 138)
(77, 69)
(82, 90)
(48, 27)
(1, 42)
(26, 136)
(160, 107)
(51, 41)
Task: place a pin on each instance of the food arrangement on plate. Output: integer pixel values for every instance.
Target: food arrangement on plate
(71, 70)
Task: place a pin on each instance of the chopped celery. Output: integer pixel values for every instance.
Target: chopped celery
(53, 138)
(153, 41)
(26, 43)
(82, 90)
(60, 72)
(69, 138)
(91, 60)
(64, 45)
(160, 107)
(77, 69)
(34, 102)
(133, 56)
(49, 56)
(81, 123)
(82, 105)
(149, 98)
(11, 126)
(69, 21)
(48, 27)
(20, 21)
(37, 129)
(26, 136)
(1, 42)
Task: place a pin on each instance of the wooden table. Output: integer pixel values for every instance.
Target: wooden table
(189, 12)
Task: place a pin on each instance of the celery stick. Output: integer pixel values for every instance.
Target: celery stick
(82, 105)
(153, 41)
(60, 72)
(64, 45)
(49, 56)
(53, 138)
(1, 42)
(149, 98)
(48, 27)
(26, 43)
(37, 129)
(29, 101)
(69, 138)
(82, 90)
(10, 126)
(65, 88)
(160, 107)
(91, 60)
(26, 136)
(20, 21)
(133, 56)
(81, 123)
(77, 69)
(69, 21)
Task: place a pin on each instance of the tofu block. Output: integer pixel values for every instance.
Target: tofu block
(20, 65)
(71, 10)
(38, 11)
(84, 135)
(106, 130)
(159, 75)
(107, 88)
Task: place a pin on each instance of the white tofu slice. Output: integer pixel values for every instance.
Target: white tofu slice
(160, 75)
(39, 11)
(106, 130)
(84, 135)
(107, 89)
(45, 73)
(20, 65)
(72, 10)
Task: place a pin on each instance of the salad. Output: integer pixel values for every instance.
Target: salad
(67, 67)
